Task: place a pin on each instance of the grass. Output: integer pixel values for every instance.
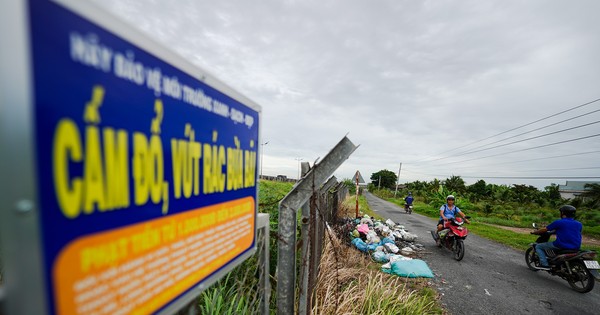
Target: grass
(349, 283)
(363, 207)
(229, 296)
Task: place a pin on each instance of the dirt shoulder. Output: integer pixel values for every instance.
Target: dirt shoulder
(586, 240)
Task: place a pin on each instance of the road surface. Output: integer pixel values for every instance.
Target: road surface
(492, 278)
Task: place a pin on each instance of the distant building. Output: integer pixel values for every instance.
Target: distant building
(278, 178)
(573, 189)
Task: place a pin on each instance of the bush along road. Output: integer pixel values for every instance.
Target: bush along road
(491, 278)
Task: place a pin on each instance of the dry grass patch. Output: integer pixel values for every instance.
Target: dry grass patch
(350, 283)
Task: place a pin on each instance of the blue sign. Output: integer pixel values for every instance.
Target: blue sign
(141, 168)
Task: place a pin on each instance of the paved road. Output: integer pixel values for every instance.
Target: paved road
(491, 278)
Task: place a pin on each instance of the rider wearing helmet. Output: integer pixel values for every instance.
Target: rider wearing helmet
(408, 200)
(568, 235)
(449, 212)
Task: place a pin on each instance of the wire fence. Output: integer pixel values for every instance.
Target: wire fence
(324, 207)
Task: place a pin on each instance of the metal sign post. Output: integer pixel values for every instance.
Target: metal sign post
(123, 166)
(357, 191)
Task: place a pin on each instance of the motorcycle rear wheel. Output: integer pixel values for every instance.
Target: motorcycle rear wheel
(459, 250)
(582, 280)
(531, 259)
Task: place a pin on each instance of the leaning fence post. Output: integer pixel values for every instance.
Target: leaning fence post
(286, 254)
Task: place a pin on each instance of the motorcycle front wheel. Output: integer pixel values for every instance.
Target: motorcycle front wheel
(581, 280)
(531, 259)
(459, 250)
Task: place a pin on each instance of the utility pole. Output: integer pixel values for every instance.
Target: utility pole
(298, 159)
(262, 155)
(398, 180)
(379, 185)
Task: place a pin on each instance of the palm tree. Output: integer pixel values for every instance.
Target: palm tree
(456, 184)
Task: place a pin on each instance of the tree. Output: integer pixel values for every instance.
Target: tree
(351, 185)
(478, 190)
(553, 194)
(388, 179)
(456, 184)
(592, 193)
(525, 193)
(501, 193)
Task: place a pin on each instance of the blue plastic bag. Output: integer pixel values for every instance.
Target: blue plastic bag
(387, 240)
(372, 247)
(414, 268)
(360, 244)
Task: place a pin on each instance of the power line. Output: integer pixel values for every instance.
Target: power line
(518, 141)
(525, 125)
(543, 158)
(537, 147)
(565, 169)
(540, 128)
(538, 170)
(510, 177)
(541, 119)
(535, 177)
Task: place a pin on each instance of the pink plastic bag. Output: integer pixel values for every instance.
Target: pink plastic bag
(363, 228)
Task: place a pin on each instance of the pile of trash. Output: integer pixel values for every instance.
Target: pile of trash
(390, 244)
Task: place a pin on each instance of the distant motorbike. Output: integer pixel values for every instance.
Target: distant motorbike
(408, 208)
(452, 237)
(577, 267)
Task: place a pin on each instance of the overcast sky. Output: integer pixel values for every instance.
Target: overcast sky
(417, 82)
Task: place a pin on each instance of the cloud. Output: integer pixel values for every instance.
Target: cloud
(410, 81)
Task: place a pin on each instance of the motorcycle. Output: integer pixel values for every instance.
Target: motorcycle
(577, 267)
(452, 237)
(408, 208)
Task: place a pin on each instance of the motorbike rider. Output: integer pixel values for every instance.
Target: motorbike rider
(568, 235)
(449, 212)
(408, 200)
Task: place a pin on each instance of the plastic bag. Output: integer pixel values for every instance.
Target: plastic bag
(358, 243)
(372, 238)
(407, 251)
(363, 228)
(398, 257)
(386, 240)
(414, 268)
(403, 235)
(380, 257)
(392, 248)
(366, 221)
(390, 223)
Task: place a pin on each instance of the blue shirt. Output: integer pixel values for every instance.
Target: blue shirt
(568, 233)
(449, 213)
(409, 200)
